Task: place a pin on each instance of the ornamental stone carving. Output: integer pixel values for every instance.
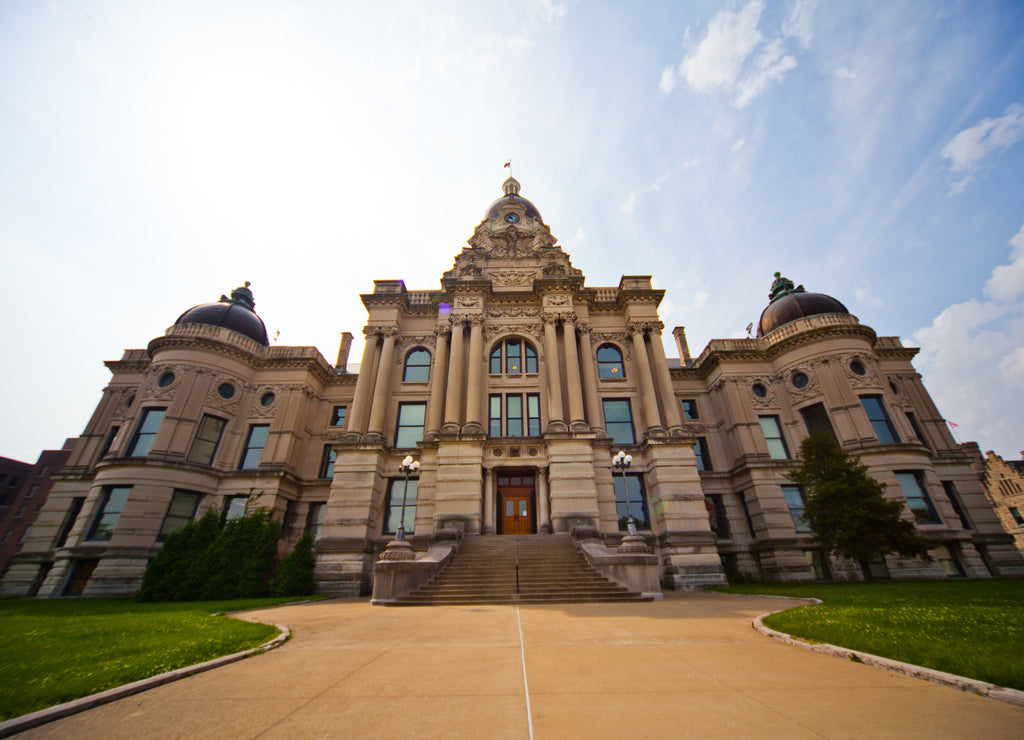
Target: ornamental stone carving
(513, 312)
(467, 301)
(512, 277)
(557, 300)
(644, 327)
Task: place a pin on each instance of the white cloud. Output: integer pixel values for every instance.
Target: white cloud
(737, 145)
(547, 12)
(733, 55)
(966, 150)
(629, 204)
(845, 74)
(800, 23)
(973, 359)
(866, 296)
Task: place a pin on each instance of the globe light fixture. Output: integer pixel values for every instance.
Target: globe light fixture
(621, 462)
(408, 466)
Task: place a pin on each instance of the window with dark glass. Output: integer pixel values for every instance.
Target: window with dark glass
(819, 565)
(746, 514)
(338, 416)
(417, 366)
(315, 520)
(817, 421)
(114, 500)
(409, 430)
(879, 419)
(327, 461)
(519, 419)
(703, 455)
(947, 559)
(634, 484)
(513, 357)
(917, 429)
(81, 572)
(797, 507)
(204, 446)
(618, 421)
(143, 439)
(181, 511)
(772, 431)
(397, 489)
(954, 498)
(69, 521)
(918, 500)
(234, 507)
(609, 362)
(690, 409)
(1017, 516)
(716, 515)
(254, 444)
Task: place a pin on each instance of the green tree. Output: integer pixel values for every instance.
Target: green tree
(847, 508)
(295, 576)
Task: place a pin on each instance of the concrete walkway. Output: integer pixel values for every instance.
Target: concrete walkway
(689, 666)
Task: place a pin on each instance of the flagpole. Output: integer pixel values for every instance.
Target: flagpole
(952, 428)
(509, 165)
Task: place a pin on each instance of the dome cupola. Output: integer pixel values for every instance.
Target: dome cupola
(512, 202)
(236, 313)
(789, 303)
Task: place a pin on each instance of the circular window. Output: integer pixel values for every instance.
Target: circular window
(895, 388)
(759, 390)
(800, 380)
(268, 398)
(226, 390)
(165, 380)
(857, 367)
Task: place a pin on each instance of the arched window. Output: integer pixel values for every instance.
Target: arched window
(513, 357)
(417, 367)
(609, 362)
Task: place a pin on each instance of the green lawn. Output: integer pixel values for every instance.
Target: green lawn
(972, 628)
(56, 650)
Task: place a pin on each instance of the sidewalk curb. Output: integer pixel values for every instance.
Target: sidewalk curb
(28, 721)
(970, 685)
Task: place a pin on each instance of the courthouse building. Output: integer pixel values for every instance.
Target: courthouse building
(513, 383)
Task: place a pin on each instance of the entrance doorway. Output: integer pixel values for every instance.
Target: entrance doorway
(516, 496)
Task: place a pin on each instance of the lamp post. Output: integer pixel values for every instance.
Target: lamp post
(408, 466)
(621, 462)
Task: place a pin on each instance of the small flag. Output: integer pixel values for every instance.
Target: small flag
(509, 164)
(953, 425)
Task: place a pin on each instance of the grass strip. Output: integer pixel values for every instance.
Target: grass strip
(57, 650)
(972, 628)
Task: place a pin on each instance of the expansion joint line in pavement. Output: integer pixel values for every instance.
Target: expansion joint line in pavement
(526, 684)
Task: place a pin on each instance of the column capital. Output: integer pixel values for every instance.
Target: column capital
(644, 327)
(476, 319)
(442, 329)
(583, 327)
(371, 331)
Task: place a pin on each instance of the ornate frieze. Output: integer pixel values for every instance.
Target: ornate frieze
(512, 277)
(558, 300)
(503, 312)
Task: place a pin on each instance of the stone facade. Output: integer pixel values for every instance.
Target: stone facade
(513, 384)
(1004, 485)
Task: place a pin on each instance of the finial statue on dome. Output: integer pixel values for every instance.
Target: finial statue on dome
(511, 186)
(241, 296)
(783, 287)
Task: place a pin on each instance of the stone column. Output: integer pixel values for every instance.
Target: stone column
(487, 527)
(647, 395)
(382, 388)
(453, 398)
(440, 374)
(590, 398)
(476, 369)
(572, 373)
(669, 402)
(364, 383)
(556, 413)
(544, 507)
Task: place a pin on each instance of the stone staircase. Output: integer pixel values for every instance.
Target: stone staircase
(551, 571)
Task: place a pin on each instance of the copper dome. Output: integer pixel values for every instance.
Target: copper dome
(511, 187)
(235, 313)
(789, 303)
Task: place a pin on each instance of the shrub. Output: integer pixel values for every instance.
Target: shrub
(295, 576)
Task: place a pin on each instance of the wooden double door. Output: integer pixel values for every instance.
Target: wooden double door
(516, 494)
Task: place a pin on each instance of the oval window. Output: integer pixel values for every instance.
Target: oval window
(165, 380)
(226, 390)
(857, 368)
(267, 398)
(759, 390)
(800, 380)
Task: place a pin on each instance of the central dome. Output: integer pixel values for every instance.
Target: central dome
(789, 303)
(235, 313)
(511, 187)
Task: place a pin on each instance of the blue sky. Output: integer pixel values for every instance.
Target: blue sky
(155, 155)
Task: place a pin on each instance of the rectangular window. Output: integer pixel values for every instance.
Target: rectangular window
(179, 513)
(143, 439)
(513, 415)
(315, 520)
(879, 419)
(690, 409)
(254, 445)
(795, 502)
(918, 500)
(81, 572)
(618, 421)
(32, 491)
(69, 521)
(409, 431)
(107, 517)
(746, 514)
(327, 461)
(1017, 516)
(716, 515)
(513, 357)
(533, 414)
(393, 509)
(518, 420)
(637, 501)
(819, 565)
(703, 455)
(817, 421)
(338, 416)
(24, 535)
(917, 429)
(772, 431)
(234, 507)
(494, 425)
(954, 498)
(109, 441)
(204, 446)
(950, 563)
